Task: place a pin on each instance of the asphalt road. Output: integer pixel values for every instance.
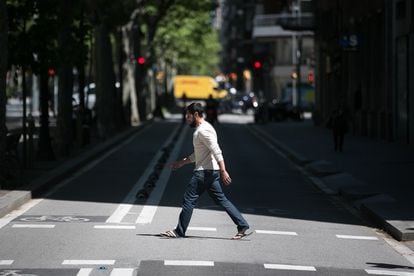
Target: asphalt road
(92, 224)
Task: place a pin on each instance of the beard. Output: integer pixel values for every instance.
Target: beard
(193, 124)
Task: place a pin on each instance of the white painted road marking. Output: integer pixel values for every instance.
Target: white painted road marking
(128, 202)
(33, 226)
(188, 263)
(147, 214)
(122, 272)
(289, 267)
(84, 272)
(17, 213)
(149, 210)
(88, 262)
(357, 237)
(6, 262)
(121, 227)
(269, 232)
(388, 272)
(212, 229)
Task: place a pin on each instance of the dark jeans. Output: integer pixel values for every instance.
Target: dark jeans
(206, 180)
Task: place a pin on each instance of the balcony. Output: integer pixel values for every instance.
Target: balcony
(283, 25)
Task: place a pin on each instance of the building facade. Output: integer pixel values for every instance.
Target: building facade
(365, 62)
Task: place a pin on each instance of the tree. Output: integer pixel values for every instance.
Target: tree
(107, 16)
(3, 71)
(186, 39)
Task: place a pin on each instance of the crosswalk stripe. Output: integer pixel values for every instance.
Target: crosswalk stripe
(212, 229)
(388, 272)
(357, 237)
(33, 226)
(276, 232)
(122, 272)
(289, 267)
(188, 263)
(84, 272)
(88, 262)
(125, 227)
(6, 262)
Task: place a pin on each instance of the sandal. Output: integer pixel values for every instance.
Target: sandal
(241, 235)
(171, 234)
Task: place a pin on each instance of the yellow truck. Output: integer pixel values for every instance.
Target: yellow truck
(197, 88)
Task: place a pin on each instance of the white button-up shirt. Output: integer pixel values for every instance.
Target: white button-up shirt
(207, 152)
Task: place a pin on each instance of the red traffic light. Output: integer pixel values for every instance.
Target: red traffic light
(311, 78)
(257, 65)
(51, 72)
(141, 60)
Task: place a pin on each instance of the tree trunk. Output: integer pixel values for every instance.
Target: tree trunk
(140, 75)
(120, 122)
(105, 82)
(45, 151)
(3, 72)
(65, 111)
(129, 68)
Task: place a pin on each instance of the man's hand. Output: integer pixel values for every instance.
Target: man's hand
(177, 164)
(225, 177)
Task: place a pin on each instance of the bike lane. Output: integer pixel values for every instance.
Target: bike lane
(61, 226)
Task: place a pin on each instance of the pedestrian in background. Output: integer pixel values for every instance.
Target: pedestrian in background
(339, 124)
(209, 170)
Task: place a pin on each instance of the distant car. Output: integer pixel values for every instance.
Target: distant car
(244, 102)
(277, 112)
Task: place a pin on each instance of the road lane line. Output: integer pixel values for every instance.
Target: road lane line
(388, 272)
(6, 262)
(84, 272)
(289, 267)
(188, 263)
(122, 272)
(88, 262)
(270, 232)
(33, 226)
(357, 237)
(128, 202)
(149, 210)
(211, 229)
(120, 227)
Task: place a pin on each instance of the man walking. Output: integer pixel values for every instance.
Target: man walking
(209, 170)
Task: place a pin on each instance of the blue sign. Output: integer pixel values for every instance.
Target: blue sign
(350, 41)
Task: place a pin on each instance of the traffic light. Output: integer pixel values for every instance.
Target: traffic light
(257, 65)
(311, 78)
(141, 60)
(51, 72)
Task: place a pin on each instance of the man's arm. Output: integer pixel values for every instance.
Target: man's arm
(225, 177)
(186, 160)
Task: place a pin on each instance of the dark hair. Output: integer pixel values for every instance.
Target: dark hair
(195, 107)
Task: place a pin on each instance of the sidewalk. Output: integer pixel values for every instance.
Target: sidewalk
(375, 176)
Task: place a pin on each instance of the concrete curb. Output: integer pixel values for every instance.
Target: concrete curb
(12, 200)
(382, 209)
(390, 216)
